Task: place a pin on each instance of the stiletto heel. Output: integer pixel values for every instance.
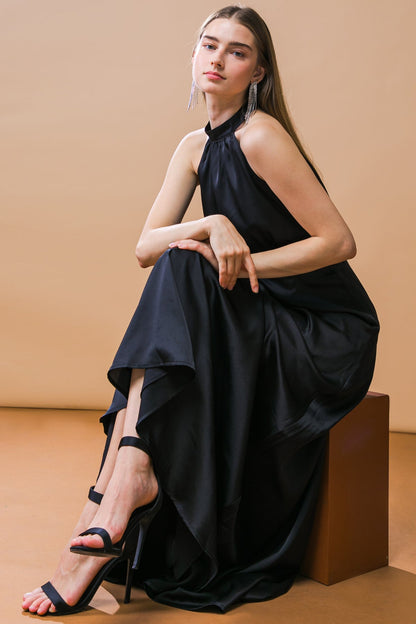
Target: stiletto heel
(129, 581)
(133, 564)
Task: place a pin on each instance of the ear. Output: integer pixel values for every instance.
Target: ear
(258, 74)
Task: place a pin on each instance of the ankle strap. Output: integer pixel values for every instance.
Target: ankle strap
(132, 441)
(94, 496)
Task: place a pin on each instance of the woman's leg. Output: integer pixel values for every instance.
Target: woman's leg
(127, 480)
(133, 482)
(69, 563)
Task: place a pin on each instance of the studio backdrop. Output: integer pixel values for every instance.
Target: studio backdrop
(93, 103)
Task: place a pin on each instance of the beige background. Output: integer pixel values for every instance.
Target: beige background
(93, 103)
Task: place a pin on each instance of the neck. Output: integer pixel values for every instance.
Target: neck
(220, 110)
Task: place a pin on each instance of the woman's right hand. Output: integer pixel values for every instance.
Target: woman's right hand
(225, 249)
(229, 249)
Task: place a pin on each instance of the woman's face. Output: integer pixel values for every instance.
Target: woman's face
(225, 59)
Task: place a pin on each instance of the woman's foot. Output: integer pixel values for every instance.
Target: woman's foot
(132, 484)
(72, 576)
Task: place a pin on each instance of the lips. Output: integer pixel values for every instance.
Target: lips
(214, 75)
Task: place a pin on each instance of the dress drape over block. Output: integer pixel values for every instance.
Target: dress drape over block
(240, 390)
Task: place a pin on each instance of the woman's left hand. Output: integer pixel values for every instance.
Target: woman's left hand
(202, 247)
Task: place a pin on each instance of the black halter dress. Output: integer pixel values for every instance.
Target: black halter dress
(240, 390)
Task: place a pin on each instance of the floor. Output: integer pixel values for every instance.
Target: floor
(44, 485)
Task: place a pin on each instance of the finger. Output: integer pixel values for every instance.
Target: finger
(194, 245)
(232, 261)
(222, 271)
(204, 249)
(230, 272)
(206, 252)
(238, 261)
(252, 274)
(186, 243)
(210, 256)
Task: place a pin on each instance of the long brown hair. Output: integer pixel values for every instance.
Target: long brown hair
(270, 92)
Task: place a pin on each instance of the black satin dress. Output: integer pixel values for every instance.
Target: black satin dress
(240, 390)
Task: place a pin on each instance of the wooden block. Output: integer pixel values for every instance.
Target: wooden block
(350, 531)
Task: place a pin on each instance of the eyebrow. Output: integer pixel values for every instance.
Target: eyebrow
(231, 43)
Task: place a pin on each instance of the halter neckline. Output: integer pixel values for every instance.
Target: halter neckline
(227, 127)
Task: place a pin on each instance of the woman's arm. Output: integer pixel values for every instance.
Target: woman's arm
(274, 157)
(163, 224)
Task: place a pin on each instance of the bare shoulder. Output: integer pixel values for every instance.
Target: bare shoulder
(264, 137)
(194, 138)
(192, 146)
(274, 156)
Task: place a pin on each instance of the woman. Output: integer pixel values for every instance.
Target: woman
(252, 338)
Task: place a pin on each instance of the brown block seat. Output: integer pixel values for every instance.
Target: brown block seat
(350, 531)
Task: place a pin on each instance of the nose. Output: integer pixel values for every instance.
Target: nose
(216, 60)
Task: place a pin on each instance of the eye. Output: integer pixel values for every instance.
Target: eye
(209, 46)
(238, 54)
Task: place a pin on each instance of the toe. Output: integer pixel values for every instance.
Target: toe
(93, 541)
(30, 597)
(33, 608)
(90, 541)
(36, 591)
(28, 594)
(44, 607)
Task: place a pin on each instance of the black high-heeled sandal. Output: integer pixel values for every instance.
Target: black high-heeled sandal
(63, 608)
(137, 527)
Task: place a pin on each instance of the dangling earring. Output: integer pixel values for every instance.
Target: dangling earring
(251, 101)
(193, 98)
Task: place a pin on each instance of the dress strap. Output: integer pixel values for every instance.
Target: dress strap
(227, 127)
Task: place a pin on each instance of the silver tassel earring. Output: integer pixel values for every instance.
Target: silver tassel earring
(251, 101)
(193, 98)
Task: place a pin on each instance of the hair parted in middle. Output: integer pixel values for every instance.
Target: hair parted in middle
(270, 92)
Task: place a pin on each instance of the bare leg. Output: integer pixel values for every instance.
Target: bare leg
(69, 564)
(132, 483)
(75, 572)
